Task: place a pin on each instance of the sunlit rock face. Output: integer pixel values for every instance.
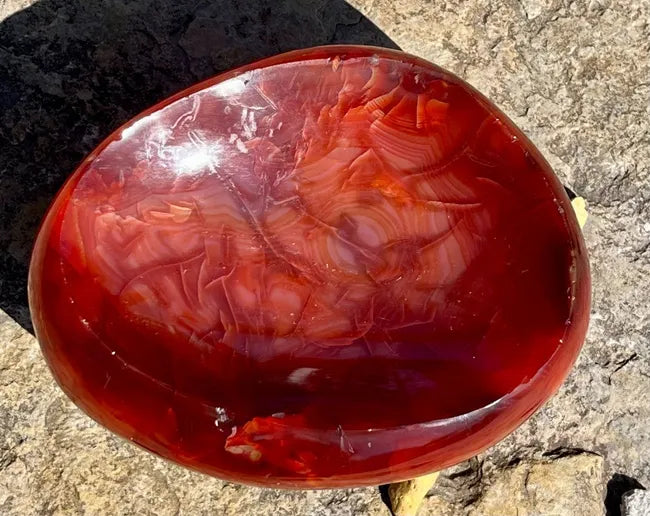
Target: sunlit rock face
(335, 267)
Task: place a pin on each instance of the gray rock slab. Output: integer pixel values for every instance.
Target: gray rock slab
(574, 75)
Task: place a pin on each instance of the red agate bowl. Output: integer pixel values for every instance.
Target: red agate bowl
(336, 267)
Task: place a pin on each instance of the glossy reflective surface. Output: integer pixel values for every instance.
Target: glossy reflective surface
(340, 266)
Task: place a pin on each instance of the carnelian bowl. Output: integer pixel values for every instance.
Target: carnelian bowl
(336, 267)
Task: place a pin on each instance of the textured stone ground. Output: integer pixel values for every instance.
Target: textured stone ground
(575, 75)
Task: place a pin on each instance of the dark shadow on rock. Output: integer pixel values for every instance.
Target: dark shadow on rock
(385, 497)
(617, 486)
(73, 71)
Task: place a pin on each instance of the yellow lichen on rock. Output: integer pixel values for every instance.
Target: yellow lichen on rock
(580, 208)
(406, 497)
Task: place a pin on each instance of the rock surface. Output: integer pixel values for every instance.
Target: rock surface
(636, 503)
(573, 75)
(549, 486)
